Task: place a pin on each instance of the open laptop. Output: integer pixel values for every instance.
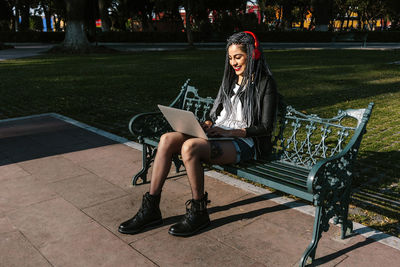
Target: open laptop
(184, 121)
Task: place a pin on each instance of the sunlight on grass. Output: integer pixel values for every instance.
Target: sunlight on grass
(385, 81)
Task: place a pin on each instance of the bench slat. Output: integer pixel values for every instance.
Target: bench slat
(281, 185)
(269, 171)
(277, 176)
(288, 167)
(287, 172)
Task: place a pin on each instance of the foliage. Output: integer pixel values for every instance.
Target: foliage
(228, 16)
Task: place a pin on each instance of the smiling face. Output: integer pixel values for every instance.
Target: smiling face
(237, 59)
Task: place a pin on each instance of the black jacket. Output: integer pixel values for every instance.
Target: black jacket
(261, 131)
(262, 128)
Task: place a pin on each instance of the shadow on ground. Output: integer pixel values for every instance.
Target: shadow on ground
(44, 136)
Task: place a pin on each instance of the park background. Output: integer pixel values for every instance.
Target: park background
(84, 79)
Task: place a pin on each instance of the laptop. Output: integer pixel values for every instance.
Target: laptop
(184, 121)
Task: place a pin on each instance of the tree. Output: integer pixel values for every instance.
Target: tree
(75, 36)
(188, 4)
(47, 7)
(287, 7)
(5, 15)
(393, 12)
(322, 14)
(142, 10)
(103, 12)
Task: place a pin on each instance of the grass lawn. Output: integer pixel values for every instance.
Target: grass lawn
(106, 90)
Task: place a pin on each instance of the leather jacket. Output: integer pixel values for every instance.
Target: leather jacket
(262, 128)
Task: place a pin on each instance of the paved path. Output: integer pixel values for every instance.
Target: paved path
(32, 49)
(265, 45)
(64, 189)
(23, 50)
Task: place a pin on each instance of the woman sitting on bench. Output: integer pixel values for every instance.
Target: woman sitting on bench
(244, 109)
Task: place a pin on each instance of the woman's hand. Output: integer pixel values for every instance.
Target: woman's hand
(218, 131)
(206, 125)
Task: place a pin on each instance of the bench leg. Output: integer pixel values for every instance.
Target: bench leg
(309, 253)
(347, 229)
(148, 154)
(347, 225)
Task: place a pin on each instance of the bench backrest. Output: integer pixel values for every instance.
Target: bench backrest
(302, 139)
(189, 99)
(299, 139)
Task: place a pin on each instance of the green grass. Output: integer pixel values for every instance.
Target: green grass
(106, 90)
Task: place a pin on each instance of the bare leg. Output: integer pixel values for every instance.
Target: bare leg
(197, 150)
(194, 152)
(170, 143)
(150, 214)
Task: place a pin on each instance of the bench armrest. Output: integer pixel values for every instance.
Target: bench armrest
(336, 171)
(333, 173)
(149, 124)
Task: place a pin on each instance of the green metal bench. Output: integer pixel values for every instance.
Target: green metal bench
(312, 157)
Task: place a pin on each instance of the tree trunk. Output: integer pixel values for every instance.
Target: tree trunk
(105, 20)
(287, 16)
(188, 10)
(57, 25)
(24, 13)
(323, 14)
(91, 14)
(303, 11)
(75, 36)
(358, 22)
(47, 15)
(341, 23)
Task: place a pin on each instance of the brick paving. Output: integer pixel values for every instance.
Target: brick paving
(64, 190)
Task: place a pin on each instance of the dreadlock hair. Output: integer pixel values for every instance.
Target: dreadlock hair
(255, 70)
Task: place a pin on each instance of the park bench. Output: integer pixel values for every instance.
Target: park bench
(312, 157)
(351, 37)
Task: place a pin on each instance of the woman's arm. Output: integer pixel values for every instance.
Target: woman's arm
(268, 109)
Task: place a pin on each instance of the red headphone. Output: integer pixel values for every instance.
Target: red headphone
(256, 52)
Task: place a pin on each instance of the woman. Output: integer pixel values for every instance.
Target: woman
(244, 109)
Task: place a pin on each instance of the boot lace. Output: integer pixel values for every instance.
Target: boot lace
(190, 206)
(145, 205)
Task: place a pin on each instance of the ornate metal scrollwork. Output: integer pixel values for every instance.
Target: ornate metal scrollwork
(332, 188)
(151, 125)
(306, 139)
(149, 152)
(200, 106)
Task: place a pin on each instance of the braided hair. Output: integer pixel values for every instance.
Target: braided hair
(256, 69)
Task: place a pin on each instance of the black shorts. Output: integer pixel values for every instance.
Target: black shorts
(243, 151)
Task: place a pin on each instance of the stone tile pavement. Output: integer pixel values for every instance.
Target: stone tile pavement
(65, 188)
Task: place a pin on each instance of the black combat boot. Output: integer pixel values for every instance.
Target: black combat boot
(195, 219)
(148, 215)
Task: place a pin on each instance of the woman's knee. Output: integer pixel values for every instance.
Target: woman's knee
(191, 149)
(169, 142)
